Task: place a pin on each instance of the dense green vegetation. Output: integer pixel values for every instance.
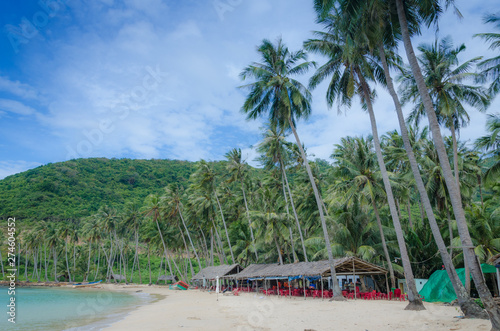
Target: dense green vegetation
(77, 188)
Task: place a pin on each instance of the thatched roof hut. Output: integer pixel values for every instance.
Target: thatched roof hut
(343, 266)
(210, 273)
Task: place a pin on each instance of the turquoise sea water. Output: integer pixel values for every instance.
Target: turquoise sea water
(55, 308)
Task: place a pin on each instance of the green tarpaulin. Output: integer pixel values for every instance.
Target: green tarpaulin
(439, 289)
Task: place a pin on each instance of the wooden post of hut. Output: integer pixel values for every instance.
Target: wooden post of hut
(354, 278)
(304, 285)
(322, 288)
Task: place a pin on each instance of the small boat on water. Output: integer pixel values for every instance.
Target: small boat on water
(90, 284)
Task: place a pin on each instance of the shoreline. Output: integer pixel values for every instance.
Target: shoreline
(198, 310)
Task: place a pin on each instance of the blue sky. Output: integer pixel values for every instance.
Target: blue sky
(158, 78)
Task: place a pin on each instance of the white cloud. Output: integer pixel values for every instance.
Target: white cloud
(12, 167)
(16, 107)
(17, 88)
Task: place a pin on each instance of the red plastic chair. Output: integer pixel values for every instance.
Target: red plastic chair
(316, 294)
(397, 293)
(327, 294)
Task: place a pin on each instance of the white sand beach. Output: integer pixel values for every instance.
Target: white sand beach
(197, 310)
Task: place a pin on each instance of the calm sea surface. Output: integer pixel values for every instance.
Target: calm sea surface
(58, 308)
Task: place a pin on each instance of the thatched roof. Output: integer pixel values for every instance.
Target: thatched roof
(221, 270)
(343, 266)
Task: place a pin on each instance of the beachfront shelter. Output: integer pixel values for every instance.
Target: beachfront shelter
(343, 266)
(211, 273)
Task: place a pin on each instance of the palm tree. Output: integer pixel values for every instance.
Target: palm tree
(285, 99)
(173, 206)
(237, 169)
(206, 180)
(350, 65)
(357, 167)
(152, 208)
(491, 67)
(490, 143)
(274, 149)
(477, 275)
(271, 222)
(444, 78)
(132, 219)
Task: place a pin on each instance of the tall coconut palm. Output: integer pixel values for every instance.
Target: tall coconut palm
(206, 178)
(350, 65)
(445, 78)
(173, 208)
(356, 165)
(237, 169)
(274, 147)
(152, 208)
(430, 16)
(284, 99)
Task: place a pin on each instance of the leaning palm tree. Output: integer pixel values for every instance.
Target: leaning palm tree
(360, 178)
(237, 168)
(206, 178)
(445, 78)
(173, 208)
(284, 99)
(429, 14)
(350, 65)
(274, 150)
(152, 208)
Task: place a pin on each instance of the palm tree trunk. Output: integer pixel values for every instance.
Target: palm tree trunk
(384, 245)
(55, 265)
(88, 264)
(160, 269)
(189, 237)
(295, 259)
(45, 261)
(149, 265)
(467, 306)
(162, 241)
(225, 227)
(98, 261)
(294, 211)
(413, 297)
(408, 207)
(249, 221)
(219, 242)
(279, 251)
(133, 267)
(187, 250)
(455, 154)
(337, 293)
(26, 263)
(450, 231)
(67, 263)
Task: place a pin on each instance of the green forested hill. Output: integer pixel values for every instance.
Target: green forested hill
(77, 188)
